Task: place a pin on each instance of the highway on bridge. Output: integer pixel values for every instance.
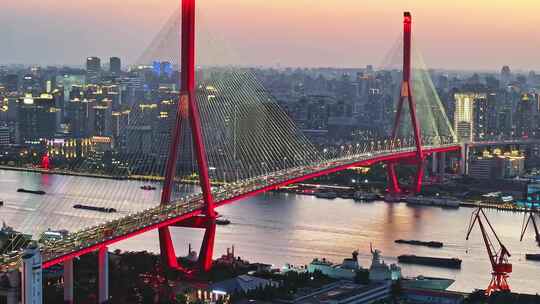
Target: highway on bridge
(90, 239)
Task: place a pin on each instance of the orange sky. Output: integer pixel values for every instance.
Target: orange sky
(456, 34)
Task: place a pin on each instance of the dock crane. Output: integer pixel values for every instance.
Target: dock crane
(498, 257)
(530, 218)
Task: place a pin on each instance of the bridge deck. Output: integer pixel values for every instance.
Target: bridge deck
(91, 239)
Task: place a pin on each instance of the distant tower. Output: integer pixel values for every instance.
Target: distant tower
(464, 115)
(93, 68)
(32, 276)
(115, 65)
(506, 75)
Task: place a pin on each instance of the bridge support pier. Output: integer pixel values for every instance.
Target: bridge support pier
(68, 281)
(419, 176)
(435, 164)
(166, 246)
(393, 181)
(207, 246)
(103, 275)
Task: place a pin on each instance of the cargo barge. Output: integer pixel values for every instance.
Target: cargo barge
(222, 222)
(148, 187)
(39, 192)
(94, 208)
(432, 244)
(533, 256)
(453, 263)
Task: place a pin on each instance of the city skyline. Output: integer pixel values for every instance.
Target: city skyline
(446, 42)
(103, 164)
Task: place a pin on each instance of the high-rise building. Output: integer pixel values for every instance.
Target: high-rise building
(162, 68)
(81, 117)
(67, 82)
(37, 118)
(464, 116)
(506, 75)
(115, 65)
(480, 119)
(93, 68)
(32, 276)
(166, 68)
(93, 64)
(103, 118)
(525, 114)
(29, 83)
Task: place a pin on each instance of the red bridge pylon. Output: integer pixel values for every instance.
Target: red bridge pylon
(406, 95)
(188, 102)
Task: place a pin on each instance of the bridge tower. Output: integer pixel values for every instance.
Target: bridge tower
(188, 109)
(407, 95)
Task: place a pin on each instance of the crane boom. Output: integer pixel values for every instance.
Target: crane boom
(530, 219)
(498, 258)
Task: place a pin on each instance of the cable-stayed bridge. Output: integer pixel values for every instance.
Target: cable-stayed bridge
(224, 130)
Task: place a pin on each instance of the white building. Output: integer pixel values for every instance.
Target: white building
(32, 276)
(464, 115)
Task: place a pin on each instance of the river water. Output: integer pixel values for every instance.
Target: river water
(280, 228)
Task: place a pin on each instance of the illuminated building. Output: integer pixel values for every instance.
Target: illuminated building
(29, 83)
(81, 117)
(464, 116)
(102, 118)
(480, 119)
(162, 68)
(497, 165)
(120, 121)
(37, 118)
(525, 114)
(93, 69)
(69, 148)
(66, 84)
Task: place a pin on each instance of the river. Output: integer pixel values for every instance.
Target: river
(280, 228)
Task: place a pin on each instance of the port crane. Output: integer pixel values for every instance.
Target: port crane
(530, 218)
(498, 257)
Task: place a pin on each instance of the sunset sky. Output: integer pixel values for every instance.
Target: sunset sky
(456, 34)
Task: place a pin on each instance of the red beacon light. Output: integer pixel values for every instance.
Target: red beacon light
(407, 17)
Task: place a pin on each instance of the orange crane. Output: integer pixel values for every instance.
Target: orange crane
(531, 219)
(498, 258)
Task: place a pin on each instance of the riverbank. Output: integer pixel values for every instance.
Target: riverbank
(348, 193)
(134, 177)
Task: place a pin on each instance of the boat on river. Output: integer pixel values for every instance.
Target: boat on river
(432, 244)
(453, 263)
(328, 195)
(94, 208)
(39, 192)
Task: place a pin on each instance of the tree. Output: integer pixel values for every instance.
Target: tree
(181, 298)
